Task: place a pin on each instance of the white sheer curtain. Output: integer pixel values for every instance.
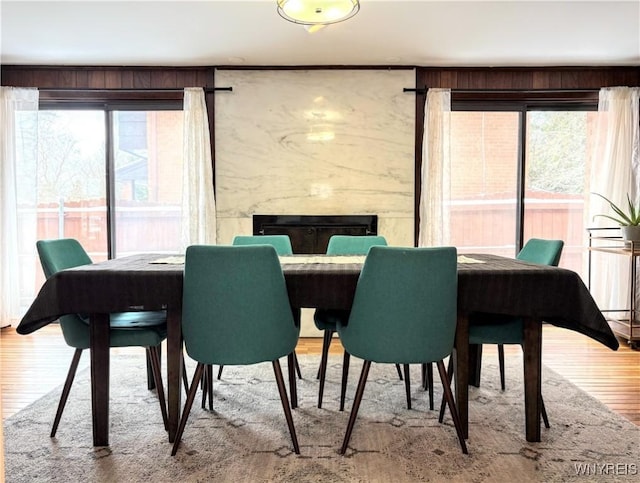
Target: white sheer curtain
(18, 154)
(198, 202)
(615, 171)
(435, 195)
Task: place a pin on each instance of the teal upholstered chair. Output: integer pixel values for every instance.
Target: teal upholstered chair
(404, 312)
(536, 250)
(282, 244)
(235, 311)
(326, 320)
(128, 329)
(500, 329)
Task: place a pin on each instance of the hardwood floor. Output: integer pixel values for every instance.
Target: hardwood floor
(33, 365)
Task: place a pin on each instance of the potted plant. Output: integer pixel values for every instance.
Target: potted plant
(628, 220)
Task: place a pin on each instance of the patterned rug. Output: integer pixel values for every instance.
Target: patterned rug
(246, 438)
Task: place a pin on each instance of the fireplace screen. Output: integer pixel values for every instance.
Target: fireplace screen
(310, 233)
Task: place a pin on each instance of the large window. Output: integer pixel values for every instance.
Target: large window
(111, 177)
(519, 171)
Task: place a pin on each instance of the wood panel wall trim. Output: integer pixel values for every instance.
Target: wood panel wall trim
(65, 77)
(528, 78)
(127, 77)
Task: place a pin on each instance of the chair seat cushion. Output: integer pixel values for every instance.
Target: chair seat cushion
(143, 337)
(128, 329)
(145, 329)
(495, 329)
(328, 319)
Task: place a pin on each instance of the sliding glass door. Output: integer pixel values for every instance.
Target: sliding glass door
(520, 172)
(111, 178)
(71, 183)
(484, 181)
(556, 181)
(147, 181)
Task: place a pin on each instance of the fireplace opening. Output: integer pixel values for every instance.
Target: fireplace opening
(310, 234)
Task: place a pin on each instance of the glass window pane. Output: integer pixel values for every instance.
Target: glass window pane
(71, 178)
(484, 178)
(148, 181)
(555, 182)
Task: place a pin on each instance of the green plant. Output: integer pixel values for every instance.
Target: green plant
(629, 218)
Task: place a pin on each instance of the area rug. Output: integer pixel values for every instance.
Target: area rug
(245, 438)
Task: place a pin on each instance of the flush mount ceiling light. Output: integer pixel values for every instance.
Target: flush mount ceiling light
(317, 12)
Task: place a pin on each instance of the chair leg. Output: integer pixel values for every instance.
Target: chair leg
(220, 372)
(356, 405)
(322, 370)
(501, 364)
(444, 377)
(293, 387)
(285, 404)
(210, 376)
(443, 403)
(204, 385)
(185, 378)
(295, 360)
(407, 384)
(345, 376)
(191, 395)
(65, 390)
(543, 410)
(326, 343)
(153, 356)
(399, 371)
(151, 384)
(207, 386)
(429, 382)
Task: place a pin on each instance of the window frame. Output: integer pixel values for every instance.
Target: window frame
(523, 102)
(109, 102)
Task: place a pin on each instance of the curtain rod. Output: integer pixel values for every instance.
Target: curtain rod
(423, 90)
(155, 89)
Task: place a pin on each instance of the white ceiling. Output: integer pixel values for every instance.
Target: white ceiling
(251, 33)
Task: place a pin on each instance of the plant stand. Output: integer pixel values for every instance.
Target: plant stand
(628, 327)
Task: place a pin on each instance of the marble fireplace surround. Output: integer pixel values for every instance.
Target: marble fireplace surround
(315, 142)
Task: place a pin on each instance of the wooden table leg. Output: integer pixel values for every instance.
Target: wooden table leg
(532, 348)
(99, 346)
(461, 371)
(174, 369)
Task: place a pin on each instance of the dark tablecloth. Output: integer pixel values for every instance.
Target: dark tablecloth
(499, 285)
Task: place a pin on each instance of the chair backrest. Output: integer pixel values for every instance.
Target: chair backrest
(281, 243)
(57, 255)
(235, 306)
(353, 244)
(544, 252)
(405, 306)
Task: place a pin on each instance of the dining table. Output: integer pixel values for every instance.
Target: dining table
(486, 284)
